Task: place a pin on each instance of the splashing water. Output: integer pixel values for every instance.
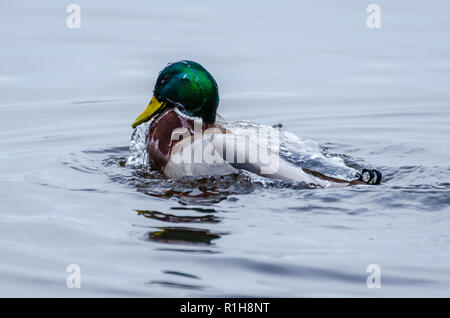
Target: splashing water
(308, 154)
(138, 152)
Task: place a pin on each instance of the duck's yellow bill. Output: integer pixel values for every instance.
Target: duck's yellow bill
(153, 107)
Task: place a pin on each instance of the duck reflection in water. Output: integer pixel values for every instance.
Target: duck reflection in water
(184, 235)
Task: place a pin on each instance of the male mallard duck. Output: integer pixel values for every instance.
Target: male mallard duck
(185, 101)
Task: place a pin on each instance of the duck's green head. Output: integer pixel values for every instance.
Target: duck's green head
(187, 86)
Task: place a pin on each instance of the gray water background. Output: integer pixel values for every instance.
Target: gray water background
(377, 97)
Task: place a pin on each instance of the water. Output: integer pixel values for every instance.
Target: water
(375, 98)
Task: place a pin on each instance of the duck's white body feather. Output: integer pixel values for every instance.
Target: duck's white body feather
(224, 153)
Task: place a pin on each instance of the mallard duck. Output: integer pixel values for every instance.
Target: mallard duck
(183, 113)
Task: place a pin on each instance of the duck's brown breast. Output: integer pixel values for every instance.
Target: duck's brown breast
(159, 139)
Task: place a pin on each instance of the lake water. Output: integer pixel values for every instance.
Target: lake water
(375, 97)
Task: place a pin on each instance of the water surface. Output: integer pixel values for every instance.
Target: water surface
(376, 98)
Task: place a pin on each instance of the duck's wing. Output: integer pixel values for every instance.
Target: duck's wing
(242, 152)
(222, 153)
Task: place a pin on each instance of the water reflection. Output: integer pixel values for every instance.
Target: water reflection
(175, 285)
(178, 219)
(188, 250)
(202, 210)
(191, 196)
(181, 274)
(183, 235)
(205, 190)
